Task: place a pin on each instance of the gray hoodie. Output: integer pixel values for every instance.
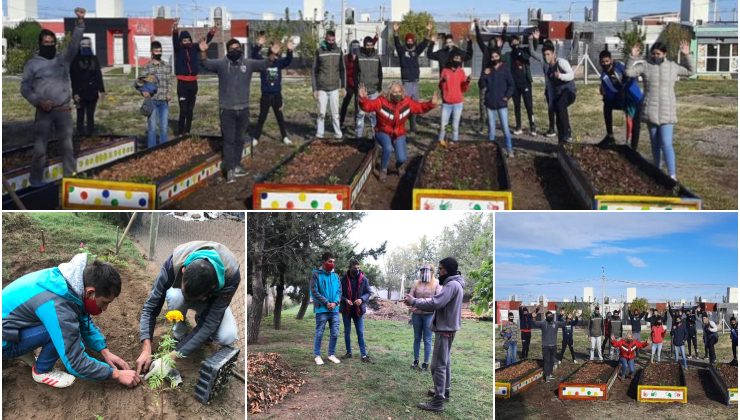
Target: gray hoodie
(447, 305)
(549, 331)
(234, 80)
(48, 80)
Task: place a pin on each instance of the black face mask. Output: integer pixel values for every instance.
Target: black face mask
(157, 56)
(354, 272)
(550, 318)
(48, 51)
(494, 62)
(511, 319)
(234, 55)
(606, 68)
(410, 46)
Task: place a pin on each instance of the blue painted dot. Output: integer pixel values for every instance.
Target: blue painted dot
(264, 195)
(142, 202)
(106, 193)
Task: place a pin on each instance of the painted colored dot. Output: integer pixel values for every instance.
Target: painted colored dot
(327, 206)
(339, 197)
(114, 202)
(187, 183)
(302, 197)
(289, 205)
(55, 172)
(263, 195)
(83, 195)
(476, 207)
(106, 193)
(71, 189)
(98, 201)
(142, 202)
(589, 393)
(25, 183)
(169, 194)
(314, 204)
(128, 195)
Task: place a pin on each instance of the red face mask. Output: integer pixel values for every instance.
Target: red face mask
(91, 307)
(328, 266)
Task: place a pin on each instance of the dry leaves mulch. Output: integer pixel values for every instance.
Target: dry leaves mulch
(517, 370)
(728, 373)
(661, 374)
(592, 373)
(22, 157)
(462, 166)
(322, 162)
(269, 380)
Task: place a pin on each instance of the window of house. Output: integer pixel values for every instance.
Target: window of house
(719, 56)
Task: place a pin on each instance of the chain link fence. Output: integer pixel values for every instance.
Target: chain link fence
(173, 229)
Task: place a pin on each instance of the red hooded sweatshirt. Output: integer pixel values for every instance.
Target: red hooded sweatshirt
(628, 350)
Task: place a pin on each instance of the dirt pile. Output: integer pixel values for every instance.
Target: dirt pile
(387, 310)
(269, 381)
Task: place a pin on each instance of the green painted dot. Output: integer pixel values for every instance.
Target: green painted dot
(71, 189)
(476, 207)
(314, 204)
(589, 392)
(114, 202)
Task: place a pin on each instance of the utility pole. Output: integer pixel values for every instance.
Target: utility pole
(342, 18)
(603, 286)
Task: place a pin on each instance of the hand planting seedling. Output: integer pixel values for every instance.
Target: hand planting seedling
(164, 360)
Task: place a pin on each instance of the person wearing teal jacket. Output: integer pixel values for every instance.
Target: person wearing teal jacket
(326, 293)
(52, 309)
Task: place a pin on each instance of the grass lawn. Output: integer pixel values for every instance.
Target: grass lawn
(389, 388)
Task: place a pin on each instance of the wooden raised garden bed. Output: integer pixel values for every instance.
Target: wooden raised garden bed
(470, 175)
(91, 152)
(724, 376)
(149, 179)
(662, 382)
(320, 175)
(619, 178)
(591, 381)
(514, 379)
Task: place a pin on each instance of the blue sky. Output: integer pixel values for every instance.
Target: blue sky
(442, 10)
(663, 255)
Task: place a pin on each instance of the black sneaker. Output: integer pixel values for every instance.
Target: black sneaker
(347, 356)
(435, 404)
(415, 365)
(367, 359)
(431, 393)
(608, 140)
(551, 133)
(424, 366)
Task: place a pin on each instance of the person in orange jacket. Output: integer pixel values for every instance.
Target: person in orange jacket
(627, 352)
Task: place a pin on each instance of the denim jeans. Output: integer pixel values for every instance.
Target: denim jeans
(503, 116)
(683, 355)
(422, 328)
(456, 111)
(332, 99)
(511, 351)
(656, 347)
(227, 332)
(159, 115)
(321, 319)
(661, 139)
(359, 329)
(624, 365)
(360, 123)
(30, 339)
(388, 146)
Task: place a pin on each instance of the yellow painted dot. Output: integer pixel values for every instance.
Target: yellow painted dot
(327, 206)
(55, 172)
(128, 195)
(275, 204)
(583, 389)
(302, 197)
(98, 201)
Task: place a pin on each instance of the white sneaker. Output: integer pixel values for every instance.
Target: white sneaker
(318, 360)
(576, 361)
(287, 141)
(601, 359)
(255, 142)
(55, 378)
(334, 359)
(338, 137)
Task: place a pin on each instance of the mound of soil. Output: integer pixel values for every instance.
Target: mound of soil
(592, 373)
(159, 163)
(517, 370)
(388, 310)
(22, 157)
(728, 373)
(462, 166)
(322, 162)
(661, 374)
(269, 381)
(611, 173)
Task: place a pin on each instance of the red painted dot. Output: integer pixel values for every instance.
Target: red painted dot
(83, 195)
(290, 205)
(169, 194)
(339, 197)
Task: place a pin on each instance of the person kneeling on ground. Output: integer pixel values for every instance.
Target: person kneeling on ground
(199, 275)
(627, 353)
(392, 111)
(52, 309)
(355, 294)
(510, 332)
(447, 307)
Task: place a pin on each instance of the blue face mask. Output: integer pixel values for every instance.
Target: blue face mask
(86, 51)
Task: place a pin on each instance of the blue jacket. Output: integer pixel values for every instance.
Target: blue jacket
(187, 60)
(409, 59)
(733, 334)
(568, 327)
(625, 87)
(354, 289)
(271, 77)
(53, 298)
(324, 288)
(499, 87)
(679, 335)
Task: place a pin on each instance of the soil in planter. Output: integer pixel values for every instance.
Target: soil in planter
(22, 157)
(516, 371)
(159, 163)
(324, 163)
(462, 166)
(611, 173)
(728, 373)
(592, 373)
(661, 374)
(537, 182)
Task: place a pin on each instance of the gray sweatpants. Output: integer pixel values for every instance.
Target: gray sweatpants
(234, 125)
(441, 362)
(412, 91)
(42, 125)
